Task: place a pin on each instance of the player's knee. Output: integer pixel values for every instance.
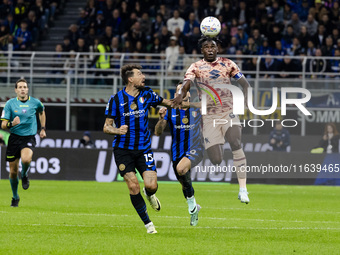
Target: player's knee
(26, 160)
(235, 144)
(152, 187)
(181, 170)
(134, 188)
(216, 159)
(13, 175)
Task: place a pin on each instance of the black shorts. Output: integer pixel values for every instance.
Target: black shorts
(16, 143)
(194, 155)
(130, 160)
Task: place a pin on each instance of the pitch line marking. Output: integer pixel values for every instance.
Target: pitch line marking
(182, 217)
(179, 227)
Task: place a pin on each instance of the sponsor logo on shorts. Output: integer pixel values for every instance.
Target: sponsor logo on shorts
(29, 144)
(232, 115)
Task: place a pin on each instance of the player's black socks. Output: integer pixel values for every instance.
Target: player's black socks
(150, 193)
(185, 180)
(140, 206)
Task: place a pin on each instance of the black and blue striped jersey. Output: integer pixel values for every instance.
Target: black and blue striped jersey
(125, 109)
(185, 127)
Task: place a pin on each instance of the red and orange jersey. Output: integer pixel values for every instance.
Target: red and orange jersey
(210, 77)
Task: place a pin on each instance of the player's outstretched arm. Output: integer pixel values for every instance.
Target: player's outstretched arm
(245, 85)
(161, 124)
(177, 101)
(109, 129)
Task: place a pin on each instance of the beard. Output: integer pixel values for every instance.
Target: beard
(139, 87)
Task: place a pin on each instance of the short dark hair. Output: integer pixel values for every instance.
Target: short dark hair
(208, 39)
(127, 71)
(20, 80)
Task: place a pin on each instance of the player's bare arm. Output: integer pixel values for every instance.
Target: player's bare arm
(6, 124)
(245, 85)
(168, 103)
(42, 118)
(176, 102)
(109, 129)
(161, 124)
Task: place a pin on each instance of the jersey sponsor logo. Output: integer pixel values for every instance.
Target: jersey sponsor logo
(24, 105)
(138, 113)
(184, 126)
(205, 67)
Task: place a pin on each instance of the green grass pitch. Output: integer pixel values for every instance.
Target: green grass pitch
(73, 217)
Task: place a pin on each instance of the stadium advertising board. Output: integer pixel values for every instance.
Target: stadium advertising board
(58, 158)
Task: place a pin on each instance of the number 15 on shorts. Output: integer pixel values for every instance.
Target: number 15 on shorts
(148, 157)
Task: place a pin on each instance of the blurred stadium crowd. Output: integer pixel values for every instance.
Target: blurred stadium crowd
(253, 27)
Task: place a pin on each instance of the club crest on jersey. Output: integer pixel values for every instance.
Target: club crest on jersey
(142, 100)
(194, 114)
(133, 106)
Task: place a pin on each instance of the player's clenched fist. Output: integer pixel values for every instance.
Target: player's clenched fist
(123, 129)
(162, 112)
(16, 121)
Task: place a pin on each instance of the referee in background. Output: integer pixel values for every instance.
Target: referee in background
(19, 116)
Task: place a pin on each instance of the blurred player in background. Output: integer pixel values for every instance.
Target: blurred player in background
(210, 74)
(186, 149)
(128, 111)
(19, 116)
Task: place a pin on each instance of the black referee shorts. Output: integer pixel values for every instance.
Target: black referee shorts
(16, 143)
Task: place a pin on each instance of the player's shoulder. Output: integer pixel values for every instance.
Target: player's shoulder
(225, 60)
(147, 90)
(12, 100)
(33, 99)
(116, 96)
(199, 62)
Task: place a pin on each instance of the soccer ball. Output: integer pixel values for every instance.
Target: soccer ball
(210, 26)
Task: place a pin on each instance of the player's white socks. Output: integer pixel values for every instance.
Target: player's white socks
(192, 204)
(243, 189)
(240, 162)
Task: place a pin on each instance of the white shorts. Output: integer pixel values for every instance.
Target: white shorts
(215, 134)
